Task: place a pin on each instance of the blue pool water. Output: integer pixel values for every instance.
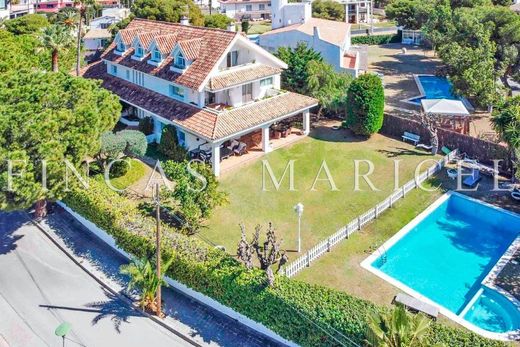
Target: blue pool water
(447, 254)
(435, 88)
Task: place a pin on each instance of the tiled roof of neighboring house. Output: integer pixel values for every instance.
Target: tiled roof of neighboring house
(165, 43)
(330, 31)
(191, 48)
(213, 44)
(238, 76)
(146, 37)
(202, 122)
(97, 34)
(128, 34)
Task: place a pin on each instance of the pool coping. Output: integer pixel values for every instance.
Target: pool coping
(422, 93)
(367, 265)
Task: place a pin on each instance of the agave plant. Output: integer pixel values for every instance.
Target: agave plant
(143, 276)
(397, 328)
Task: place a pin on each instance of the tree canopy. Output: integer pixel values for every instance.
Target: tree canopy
(28, 24)
(365, 105)
(217, 20)
(168, 10)
(294, 78)
(53, 117)
(328, 9)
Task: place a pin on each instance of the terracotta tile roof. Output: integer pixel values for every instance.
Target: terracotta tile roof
(234, 77)
(330, 31)
(214, 43)
(190, 48)
(128, 34)
(146, 37)
(165, 43)
(246, 117)
(201, 122)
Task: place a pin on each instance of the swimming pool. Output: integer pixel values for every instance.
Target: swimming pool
(434, 87)
(444, 255)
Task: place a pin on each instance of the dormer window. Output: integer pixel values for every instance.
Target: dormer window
(139, 51)
(180, 62)
(156, 56)
(121, 47)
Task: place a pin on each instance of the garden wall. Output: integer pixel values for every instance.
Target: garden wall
(482, 150)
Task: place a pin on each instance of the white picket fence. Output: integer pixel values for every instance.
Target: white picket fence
(357, 223)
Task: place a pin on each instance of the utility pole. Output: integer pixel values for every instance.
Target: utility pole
(158, 246)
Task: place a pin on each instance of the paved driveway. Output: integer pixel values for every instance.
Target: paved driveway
(40, 288)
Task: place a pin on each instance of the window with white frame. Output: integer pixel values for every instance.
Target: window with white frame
(180, 62)
(249, 8)
(113, 69)
(261, 7)
(181, 136)
(176, 91)
(266, 82)
(232, 59)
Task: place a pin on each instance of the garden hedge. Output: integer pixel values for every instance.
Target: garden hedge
(296, 310)
(376, 39)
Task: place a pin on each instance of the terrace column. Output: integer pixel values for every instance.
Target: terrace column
(215, 159)
(266, 148)
(306, 122)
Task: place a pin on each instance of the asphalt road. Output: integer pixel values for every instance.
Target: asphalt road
(40, 287)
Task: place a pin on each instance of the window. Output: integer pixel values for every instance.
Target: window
(121, 46)
(232, 59)
(249, 8)
(181, 136)
(157, 56)
(139, 51)
(113, 69)
(3, 4)
(261, 7)
(128, 75)
(176, 91)
(180, 63)
(247, 92)
(266, 82)
(104, 25)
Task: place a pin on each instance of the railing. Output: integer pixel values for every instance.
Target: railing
(357, 223)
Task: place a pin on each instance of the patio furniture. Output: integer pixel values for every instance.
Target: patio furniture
(515, 195)
(241, 149)
(234, 144)
(452, 173)
(472, 180)
(424, 146)
(416, 305)
(445, 150)
(411, 137)
(225, 152)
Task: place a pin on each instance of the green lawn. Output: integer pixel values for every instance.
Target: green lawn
(134, 174)
(325, 210)
(259, 28)
(341, 268)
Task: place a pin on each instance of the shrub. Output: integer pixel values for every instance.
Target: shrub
(298, 311)
(245, 26)
(365, 105)
(146, 125)
(169, 145)
(111, 145)
(376, 39)
(135, 142)
(119, 168)
(216, 20)
(28, 24)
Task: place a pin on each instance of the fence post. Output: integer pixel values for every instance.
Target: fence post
(308, 259)
(404, 191)
(328, 243)
(358, 223)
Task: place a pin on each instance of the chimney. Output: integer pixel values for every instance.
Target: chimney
(185, 20)
(231, 27)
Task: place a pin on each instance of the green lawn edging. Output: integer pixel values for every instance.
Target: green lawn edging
(310, 315)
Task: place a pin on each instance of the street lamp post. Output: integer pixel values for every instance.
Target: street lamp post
(158, 246)
(299, 211)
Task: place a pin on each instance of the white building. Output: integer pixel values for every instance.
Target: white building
(10, 11)
(98, 35)
(358, 11)
(293, 23)
(246, 9)
(215, 86)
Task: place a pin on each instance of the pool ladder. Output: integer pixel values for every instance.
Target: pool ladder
(382, 254)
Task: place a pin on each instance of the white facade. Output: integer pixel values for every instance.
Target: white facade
(109, 16)
(285, 13)
(246, 9)
(358, 11)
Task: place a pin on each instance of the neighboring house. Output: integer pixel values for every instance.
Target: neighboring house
(96, 39)
(4, 9)
(108, 17)
(246, 9)
(53, 6)
(516, 6)
(293, 23)
(358, 11)
(8, 10)
(213, 85)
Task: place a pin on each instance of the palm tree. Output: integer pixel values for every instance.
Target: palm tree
(55, 38)
(397, 328)
(68, 18)
(506, 122)
(83, 7)
(144, 277)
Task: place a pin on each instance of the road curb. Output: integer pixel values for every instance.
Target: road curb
(122, 297)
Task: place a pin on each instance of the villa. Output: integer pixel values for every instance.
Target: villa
(246, 9)
(216, 87)
(293, 23)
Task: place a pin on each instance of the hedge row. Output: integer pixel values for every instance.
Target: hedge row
(376, 39)
(298, 311)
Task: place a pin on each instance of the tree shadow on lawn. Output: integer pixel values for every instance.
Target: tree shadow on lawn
(400, 151)
(325, 132)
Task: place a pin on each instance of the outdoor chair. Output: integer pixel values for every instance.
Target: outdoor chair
(241, 149)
